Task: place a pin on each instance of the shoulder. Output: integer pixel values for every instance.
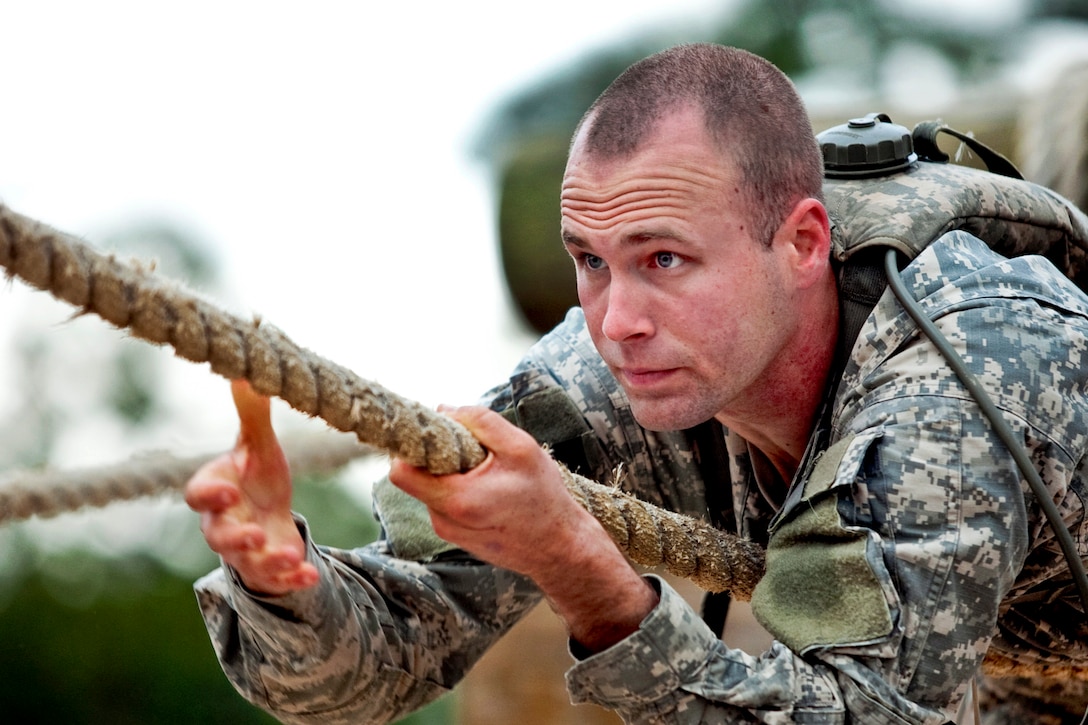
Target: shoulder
(959, 267)
(973, 295)
(1020, 326)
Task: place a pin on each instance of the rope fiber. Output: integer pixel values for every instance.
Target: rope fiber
(48, 493)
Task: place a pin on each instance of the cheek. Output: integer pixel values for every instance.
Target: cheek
(593, 302)
(594, 314)
(585, 301)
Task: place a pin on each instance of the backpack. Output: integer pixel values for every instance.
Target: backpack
(886, 187)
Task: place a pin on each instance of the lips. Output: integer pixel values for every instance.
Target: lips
(644, 377)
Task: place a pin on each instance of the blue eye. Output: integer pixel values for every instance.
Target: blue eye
(592, 261)
(666, 260)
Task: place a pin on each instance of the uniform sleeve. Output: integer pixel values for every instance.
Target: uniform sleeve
(395, 624)
(674, 670)
(377, 638)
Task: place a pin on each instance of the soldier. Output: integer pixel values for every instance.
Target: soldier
(902, 542)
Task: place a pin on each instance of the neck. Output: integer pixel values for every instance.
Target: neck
(780, 422)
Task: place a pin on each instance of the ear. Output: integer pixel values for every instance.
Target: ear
(806, 238)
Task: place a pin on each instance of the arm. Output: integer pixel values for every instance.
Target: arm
(321, 635)
(376, 638)
(883, 584)
(434, 618)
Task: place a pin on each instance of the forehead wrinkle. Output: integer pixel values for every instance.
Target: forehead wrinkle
(686, 176)
(605, 220)
(580, 194)
(631, 204)
(600, 210)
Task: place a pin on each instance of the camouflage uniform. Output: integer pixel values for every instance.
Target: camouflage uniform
(890, 560)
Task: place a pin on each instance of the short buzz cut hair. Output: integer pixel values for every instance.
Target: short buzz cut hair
(752, 112)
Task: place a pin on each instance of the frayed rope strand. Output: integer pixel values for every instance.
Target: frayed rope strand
(48, 493)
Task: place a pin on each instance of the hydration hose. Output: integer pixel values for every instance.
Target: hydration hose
(989, 409)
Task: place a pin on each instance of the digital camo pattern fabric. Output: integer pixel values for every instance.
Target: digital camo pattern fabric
(909, 210)
(951, 538)
(377, 638)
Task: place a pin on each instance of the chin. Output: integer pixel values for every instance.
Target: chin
(663, 418)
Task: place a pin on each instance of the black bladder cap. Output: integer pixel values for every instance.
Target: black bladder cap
(867, 146)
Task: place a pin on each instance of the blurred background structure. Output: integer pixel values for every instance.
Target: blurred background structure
(368, 180)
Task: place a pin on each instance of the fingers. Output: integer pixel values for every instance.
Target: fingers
(214, 486)
(418, 483)
(271, 570)
(275, 571)
(229, 537)
(263, 559)
(488, 427)
(501, 438)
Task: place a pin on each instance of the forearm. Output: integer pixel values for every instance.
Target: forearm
(673, 669)
(910, 664)
(374, 640)
(594, 589)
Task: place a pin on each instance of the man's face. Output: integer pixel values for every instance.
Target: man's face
(686, 307)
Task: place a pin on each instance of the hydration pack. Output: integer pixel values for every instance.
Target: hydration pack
(886, 187)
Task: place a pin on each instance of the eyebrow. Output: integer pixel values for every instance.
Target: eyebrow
(647, 237)
(573, 240)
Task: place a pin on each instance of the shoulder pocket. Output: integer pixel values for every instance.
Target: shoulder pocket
(826, 583)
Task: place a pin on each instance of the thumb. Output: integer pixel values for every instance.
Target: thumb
(494, 432)
(258, 450)
(254, 414)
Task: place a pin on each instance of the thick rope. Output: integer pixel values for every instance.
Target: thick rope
(132, 297)
(48, 493)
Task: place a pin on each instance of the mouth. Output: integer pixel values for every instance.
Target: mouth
(643, 378)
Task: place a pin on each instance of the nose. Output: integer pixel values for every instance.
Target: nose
(626, 315)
